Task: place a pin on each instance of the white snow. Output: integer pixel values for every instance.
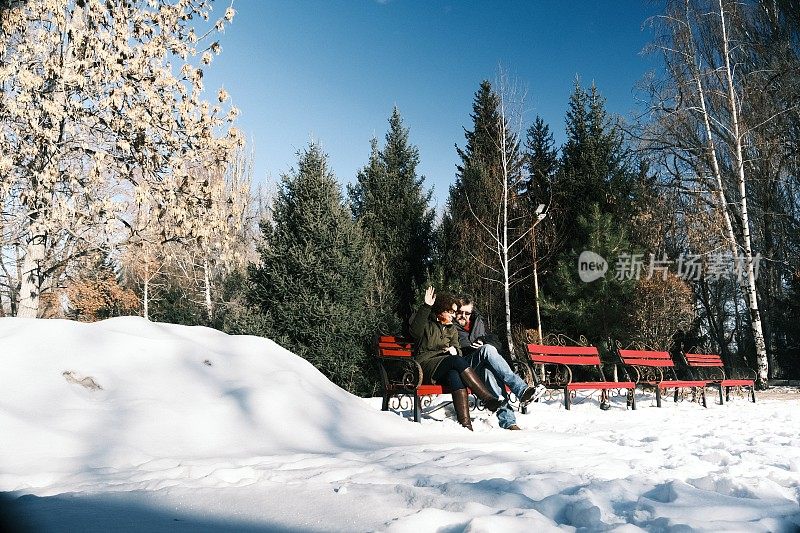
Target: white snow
(194, 430)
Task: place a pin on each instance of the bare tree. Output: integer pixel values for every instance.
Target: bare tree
(705, 123)
(221, 244)
(503, 226)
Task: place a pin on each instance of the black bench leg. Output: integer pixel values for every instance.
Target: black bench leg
(633, 398)
(753, 393)
(727, 394)
(703, 396)
(721, 396)
(604, 403)
(675, 398)
(658, 396)
(385, 404)
(566, 398)
(416, 407)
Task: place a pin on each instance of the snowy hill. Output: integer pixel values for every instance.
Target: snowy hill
(138, 426)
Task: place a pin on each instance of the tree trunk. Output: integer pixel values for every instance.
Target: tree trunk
(31, 280)
(146, 294)
(207, 291)
(752, 296)
(748, 284)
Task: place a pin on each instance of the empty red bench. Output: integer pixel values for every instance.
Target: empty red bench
(558, 361)
(711, 367)
(649, 368)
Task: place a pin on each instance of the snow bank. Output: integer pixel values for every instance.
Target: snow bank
(127, 392)
(129, 425)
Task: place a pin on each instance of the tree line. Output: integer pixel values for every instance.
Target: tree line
(685, 218)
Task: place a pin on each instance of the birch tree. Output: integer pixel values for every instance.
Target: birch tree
(492, 227)
(102, 115)
(703, 122)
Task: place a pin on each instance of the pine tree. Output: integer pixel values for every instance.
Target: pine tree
(593, 166)
(595, 185)
(541, 164)
(392, 207)
(541, 160)
(312, 284)
(598, 309)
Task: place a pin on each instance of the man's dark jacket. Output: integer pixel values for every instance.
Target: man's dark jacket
(477, 331)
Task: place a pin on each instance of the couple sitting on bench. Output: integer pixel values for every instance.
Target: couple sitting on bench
(450, 353)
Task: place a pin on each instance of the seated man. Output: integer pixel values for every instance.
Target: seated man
(485, 358)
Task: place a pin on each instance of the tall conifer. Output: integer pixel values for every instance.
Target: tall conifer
(313, 280)
(391, 204)
(595, 188)
(541, 164)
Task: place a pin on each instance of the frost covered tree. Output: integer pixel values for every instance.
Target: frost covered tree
(101, 118)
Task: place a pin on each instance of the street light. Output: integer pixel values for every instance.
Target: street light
(540, 214)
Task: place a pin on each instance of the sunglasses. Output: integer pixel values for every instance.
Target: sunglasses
(465, 313)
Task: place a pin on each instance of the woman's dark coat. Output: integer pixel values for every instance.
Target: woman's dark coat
(431, 339)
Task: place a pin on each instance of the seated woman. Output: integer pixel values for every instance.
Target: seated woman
(438, 352)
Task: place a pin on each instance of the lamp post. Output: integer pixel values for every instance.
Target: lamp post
(540, 214)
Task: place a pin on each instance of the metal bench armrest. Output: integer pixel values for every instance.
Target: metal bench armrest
(402, 372)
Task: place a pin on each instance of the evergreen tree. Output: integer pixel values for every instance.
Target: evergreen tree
(598, 309)
(594, 169)
(595, 185)
(392, 207)
(541, 164)
(312, 284)
(541, 161)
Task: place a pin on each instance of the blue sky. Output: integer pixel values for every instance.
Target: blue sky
(332, 70)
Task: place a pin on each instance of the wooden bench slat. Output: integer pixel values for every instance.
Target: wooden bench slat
(645, 354)
(680, 383)
(704, 358)
(562, 350)
(649, 362)
(737, 382)
(566, 359)
(392, 352)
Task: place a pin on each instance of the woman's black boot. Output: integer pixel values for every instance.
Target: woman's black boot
(461, 406)
(479, 388)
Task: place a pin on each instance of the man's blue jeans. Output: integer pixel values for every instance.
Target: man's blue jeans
(495, 371)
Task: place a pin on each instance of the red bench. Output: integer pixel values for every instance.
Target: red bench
(648, 368)
(401, 375)
(557, 362)
(711, 367)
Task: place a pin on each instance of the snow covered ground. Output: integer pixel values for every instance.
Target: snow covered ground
(128, 425)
